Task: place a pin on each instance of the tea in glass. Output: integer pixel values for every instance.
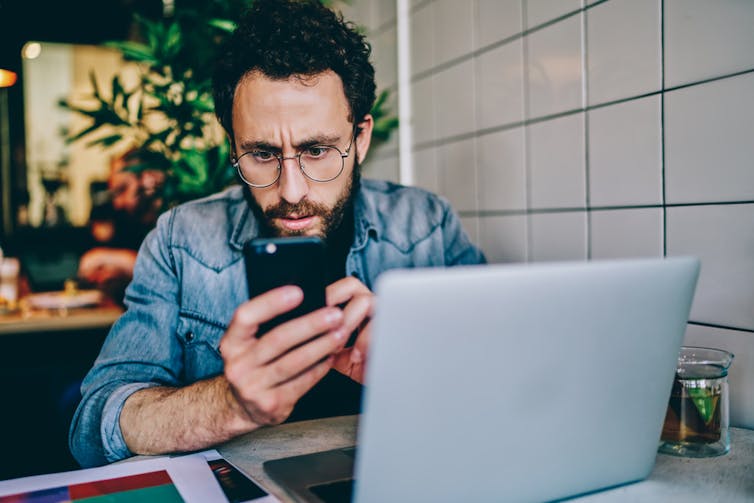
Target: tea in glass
(696, 422)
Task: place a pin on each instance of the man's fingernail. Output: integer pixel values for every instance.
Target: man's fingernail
(292, 293)
(356, 356)
(339, 335)
(333, 316)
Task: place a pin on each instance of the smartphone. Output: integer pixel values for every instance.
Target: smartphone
(275, 262)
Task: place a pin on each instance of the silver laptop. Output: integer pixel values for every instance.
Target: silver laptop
(509, 383)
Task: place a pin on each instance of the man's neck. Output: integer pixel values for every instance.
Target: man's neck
(339, 243)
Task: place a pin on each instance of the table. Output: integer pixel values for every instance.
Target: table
(37, 321)
(43, 358)
(727, 478)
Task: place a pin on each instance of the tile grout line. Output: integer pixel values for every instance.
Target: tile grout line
(663, 157)
(528, 233)
(725, 327)
(536, 211)
(585, 103)
(527, 122)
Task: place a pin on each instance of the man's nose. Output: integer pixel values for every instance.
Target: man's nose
(293, 184)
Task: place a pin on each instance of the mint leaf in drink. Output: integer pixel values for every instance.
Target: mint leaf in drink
(705, 400)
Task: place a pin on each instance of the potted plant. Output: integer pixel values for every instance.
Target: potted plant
(168, 114)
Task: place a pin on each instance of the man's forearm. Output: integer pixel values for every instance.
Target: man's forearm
(163, 420)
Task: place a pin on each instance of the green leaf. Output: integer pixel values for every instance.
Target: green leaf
(705, 400)
(95, 88)
(106, 141)
(191, 170)
(172, 44)
(82, 133)
(134, 51)
(381, 99)
(225, 25)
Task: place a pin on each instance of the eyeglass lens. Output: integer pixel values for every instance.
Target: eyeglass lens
(319, 163)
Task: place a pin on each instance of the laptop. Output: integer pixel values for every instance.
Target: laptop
(527, 382)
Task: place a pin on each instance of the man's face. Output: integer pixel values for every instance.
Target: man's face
(284, 117)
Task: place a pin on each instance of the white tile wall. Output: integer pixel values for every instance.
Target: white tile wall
(385, 57)
(457, 174)
(454, 111)
(503, 238)
(722, 236)
(500, 86)
(383, 12)
(741, 372)
(423, 113)
(709, 149)
(705, 189)
(471, 226)
(497, 20)
(426, 169)
(382, 168)
(357, 12)
(554, 68)
(422, 38)
(542, 11)
(705, 39)
(624, 233)
(625, 153)
(556, 163)
(623, 49)
(501, 170)
(557, 236)
(454, 29)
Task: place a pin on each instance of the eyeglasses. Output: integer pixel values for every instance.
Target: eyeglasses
(320, 163)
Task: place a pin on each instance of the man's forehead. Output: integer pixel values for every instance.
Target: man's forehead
(327, 79)
(301, 109)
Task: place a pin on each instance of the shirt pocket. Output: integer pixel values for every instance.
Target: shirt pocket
(201, 342)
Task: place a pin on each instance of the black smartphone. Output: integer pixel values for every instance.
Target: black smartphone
(275, 262)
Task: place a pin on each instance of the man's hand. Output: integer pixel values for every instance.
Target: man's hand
(358, 302)
(268, 375)
(102, 264)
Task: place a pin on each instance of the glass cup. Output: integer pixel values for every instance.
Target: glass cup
(696, 423)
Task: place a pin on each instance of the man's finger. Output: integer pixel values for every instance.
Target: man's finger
(357, 312)
(344, 289)
(296, 388)
(296, 332)
(251, 314)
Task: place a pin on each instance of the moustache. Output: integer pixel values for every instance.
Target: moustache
(304, 207)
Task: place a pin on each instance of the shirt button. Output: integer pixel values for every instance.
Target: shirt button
(189, 336)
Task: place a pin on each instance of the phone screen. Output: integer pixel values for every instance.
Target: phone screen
(275, 262)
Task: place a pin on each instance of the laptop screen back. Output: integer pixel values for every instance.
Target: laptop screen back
(527, 382)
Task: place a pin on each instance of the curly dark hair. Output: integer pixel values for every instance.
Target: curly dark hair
(284, 38)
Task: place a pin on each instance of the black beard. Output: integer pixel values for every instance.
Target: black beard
(332, 218)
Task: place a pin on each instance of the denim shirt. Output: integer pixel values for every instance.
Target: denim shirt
(190, 277)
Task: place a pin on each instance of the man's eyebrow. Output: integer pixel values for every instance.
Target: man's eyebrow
(249, 145)
(319, 139)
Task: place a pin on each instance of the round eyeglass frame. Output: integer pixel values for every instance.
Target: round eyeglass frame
(237, 164)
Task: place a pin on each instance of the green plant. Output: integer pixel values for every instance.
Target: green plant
(168, 113)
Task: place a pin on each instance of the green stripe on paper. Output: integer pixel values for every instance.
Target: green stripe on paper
(158, 494)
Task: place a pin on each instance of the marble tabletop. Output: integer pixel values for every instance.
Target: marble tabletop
(728, 478)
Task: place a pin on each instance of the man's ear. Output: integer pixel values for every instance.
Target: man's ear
(364, 138)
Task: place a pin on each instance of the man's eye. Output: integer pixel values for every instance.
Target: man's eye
(262, 156)
(316, 151)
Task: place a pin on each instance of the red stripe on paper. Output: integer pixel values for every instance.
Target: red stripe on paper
(120, 484)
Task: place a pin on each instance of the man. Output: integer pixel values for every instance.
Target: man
(182, 369)
(120, 224)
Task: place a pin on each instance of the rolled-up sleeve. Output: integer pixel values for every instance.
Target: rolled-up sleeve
(113, 444)
(140, 351)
